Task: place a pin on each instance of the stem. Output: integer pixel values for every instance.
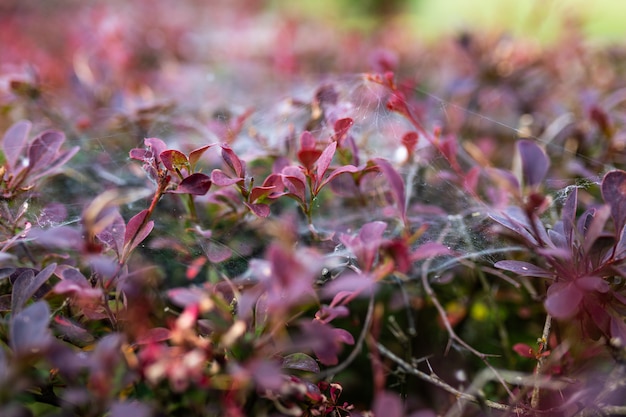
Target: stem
(534, 399)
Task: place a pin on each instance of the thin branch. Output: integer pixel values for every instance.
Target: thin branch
(438, 382)
(444, 318)
(534, 399)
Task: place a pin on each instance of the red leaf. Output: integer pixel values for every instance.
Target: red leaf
(259, 192)
(259, 209)
(341, 128)
(194, 156)
(174, 160)
(137, 230)
(195, 184)
(308, 157)
(154, 335)
(14, 140)
(409, 140)
(233, 161)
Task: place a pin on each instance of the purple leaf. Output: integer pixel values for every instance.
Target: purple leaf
(44, 148)
(74, 282)
(14, 140)
(614, 193)
(300, 362)
(395, 182)
(132, 408)
(563, 299)
(221, 179)
(195, 184)
(524, 269)
(113, 234)
(388, 404)
(174, 160)
(569, 215)
(593, 284)
(29, 330)
(59, 161)
(27, 284)
(137, 230)
(535, 162)
(233, 161)
(595, 228)
(324, 161)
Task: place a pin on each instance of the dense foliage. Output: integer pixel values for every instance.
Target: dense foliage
(277, 216)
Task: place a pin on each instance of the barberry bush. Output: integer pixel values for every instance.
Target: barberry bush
(269, 215)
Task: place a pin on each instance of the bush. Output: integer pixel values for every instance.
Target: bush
(196, 222)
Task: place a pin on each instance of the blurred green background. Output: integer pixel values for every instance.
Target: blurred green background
(599, 20)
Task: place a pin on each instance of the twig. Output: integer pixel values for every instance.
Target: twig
(442, 313)
(438, 382)
(534, 399)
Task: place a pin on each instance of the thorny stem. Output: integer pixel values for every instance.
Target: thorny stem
(453, 337)
(438, 382)
(534, 399)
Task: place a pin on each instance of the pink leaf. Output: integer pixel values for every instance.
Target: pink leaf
(14, 140)
(430, 250)
(307, 140)
(221, 179)
(346, 169)
(195, 184)
(563, 300)
(524, 350)
(396, 183)
(156, 145)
